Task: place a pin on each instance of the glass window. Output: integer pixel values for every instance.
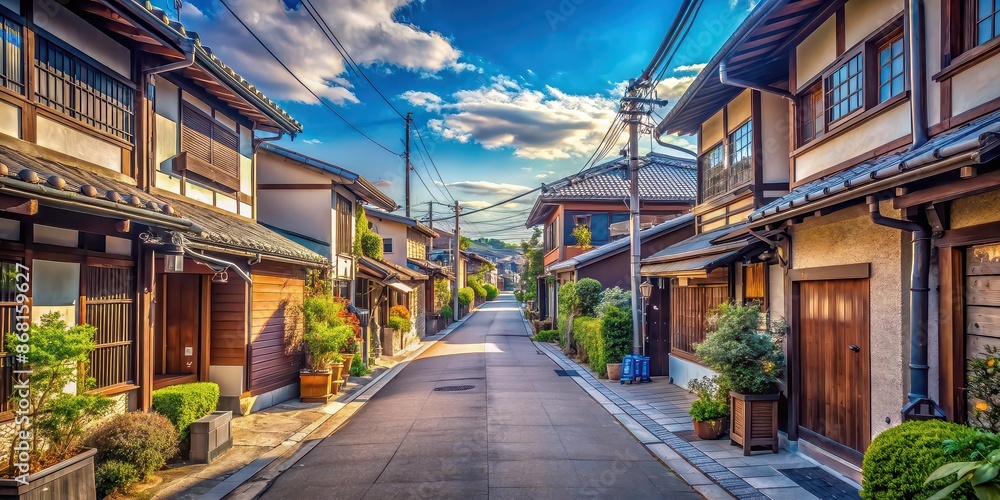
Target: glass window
(387, 245)
(714, 172)
(845, 89)
(740, 153)
(11, 56)
(890, 69)
(987, 20)
(811, 114)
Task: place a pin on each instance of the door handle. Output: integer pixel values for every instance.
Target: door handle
(854, 348)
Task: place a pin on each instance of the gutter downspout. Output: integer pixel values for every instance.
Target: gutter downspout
(920, 405)
(736, 82)
(915, 45)
(659, 141)
(187, 47)
(219, 262)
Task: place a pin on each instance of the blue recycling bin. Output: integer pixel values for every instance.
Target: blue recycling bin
(628, 369)
(642, 368)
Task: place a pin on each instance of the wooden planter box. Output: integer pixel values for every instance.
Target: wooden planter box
(315, 387)
(71, 479)
(753, 421)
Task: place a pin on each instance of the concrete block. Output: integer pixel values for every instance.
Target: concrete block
(211, 436)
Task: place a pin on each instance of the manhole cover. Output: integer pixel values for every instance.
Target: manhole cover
(567, 373)
(454, 388)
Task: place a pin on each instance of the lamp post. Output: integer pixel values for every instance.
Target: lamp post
(645, 289)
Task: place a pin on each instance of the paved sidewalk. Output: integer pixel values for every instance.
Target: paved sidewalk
(715, 468)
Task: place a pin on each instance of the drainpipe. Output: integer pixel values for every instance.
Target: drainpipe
(659, 141)
(915, 46)
(920, 405)
(187, 47)
(736, 82)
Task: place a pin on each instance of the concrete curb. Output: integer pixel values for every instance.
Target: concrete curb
(298, 446)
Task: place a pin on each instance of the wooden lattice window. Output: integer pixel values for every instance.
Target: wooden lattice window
(845, 89)
(210, 150)
(890, 68)
(987, 19)
(811, 124)
(741, 156)
(345, 226)
(714, 175)
(11, 56)
(108, 304)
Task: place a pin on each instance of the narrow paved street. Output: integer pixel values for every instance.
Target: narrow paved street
(481, 414)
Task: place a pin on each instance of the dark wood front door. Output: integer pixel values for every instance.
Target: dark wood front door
(179, 319)
(658, 332)
(835, 390)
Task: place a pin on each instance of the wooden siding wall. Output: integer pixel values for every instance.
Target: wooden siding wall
(271, 365)
(229, 324)
(689, 305)
(982, 299)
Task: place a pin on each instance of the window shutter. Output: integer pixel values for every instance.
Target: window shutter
(225, 151)
(196, 133)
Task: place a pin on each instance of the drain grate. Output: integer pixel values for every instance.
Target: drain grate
(567, 373)
(821, 483)
(455, 388)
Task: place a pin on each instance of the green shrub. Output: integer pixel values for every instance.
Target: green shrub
(371, 245)
(114, 476)
(901, 458)
(466, 295)
(712, 402)
(477, 286)
(747, 360)
(547, 336)
(617, 328)
(622, 299)
(588, 293)
(361, 226)
(590, 341)
(185, 403)
(358, 368)
(442, 292)
(143, 440)
(447, 312)
(491, 291)
(582, 236)
(328, 327)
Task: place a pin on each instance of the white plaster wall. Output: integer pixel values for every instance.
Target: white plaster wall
(976, 85)
(396, 231)
(229, 378)
(776, 292)
(774, 134)
(739, 110)
(816, 52)
(198, 103)
(932, 50)
(862, 17)
(58, 137)
(711, 131)
(849, 237)
(683, 371)
(57, 20)
(10, 120)
(301, 211)
(873, 133)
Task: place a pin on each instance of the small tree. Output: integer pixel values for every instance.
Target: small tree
(371, 245)
(360, 229)
(622, 299)
(582, 235)
(442, 293)
(616, 325)
(748, 361)
(588, 291)
(569, 305)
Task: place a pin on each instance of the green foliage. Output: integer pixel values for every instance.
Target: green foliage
(983, 388)
(371, 245)
(899, 460)
(590, 341)
(547, 336)
(617, 328)
(399, 318)
(495, 243)
(328, 328)
(532, 250)
(981, 475)
(115, 477)
(712, 402)
(622, 299)
(491, 291)
(185, 403)
(442, 293)
(466, 295)
(361, 227)
(747, 360)
(145, 441)
(582, 236)
(358, 368)
(464, 243)
(569, 302)
(588, 293)
(475, 282)
(447, 312)
(55, 419)
(972, 447)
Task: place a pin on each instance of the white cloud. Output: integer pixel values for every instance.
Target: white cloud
(487, 188)
(690, 68)
(382, 184)
(426, 100)
(545, 174)
(537, 124)
(526, 169)
(313, 141)
(366, 28)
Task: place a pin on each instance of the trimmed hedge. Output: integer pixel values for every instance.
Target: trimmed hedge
(185, 403)
(590, 343)
(466, 295)
(616, 326)
(115, 476)
(588, 293)
(547, 336)
(900, 459)
(492, 292)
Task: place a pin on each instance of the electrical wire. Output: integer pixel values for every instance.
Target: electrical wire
(420, 138)
(504, 202)
(444, 192)
(297, 79)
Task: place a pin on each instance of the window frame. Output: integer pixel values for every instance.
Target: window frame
(386, 245)
(844, 62)
(720, 148)
(217, 175)
(808, 101)
(8, 18)
(971, 34)
(731, 152)
(885, 43)
(345, 219)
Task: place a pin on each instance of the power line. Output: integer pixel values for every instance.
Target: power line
(318, 98)
(428, 170)
(438, 172)
(421, 178)
(504, 202)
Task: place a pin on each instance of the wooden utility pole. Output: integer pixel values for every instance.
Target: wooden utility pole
(430, 216)
(406, 154)
(457, 256)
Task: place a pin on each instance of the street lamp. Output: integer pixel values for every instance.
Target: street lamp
(645, 289)
(173, 258)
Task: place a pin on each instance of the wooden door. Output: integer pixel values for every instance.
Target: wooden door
(179, 333)
(834, 398)
(982, 298)
(658, 332)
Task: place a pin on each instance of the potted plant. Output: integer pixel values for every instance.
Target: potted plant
(45, 451)
(750, 363)
(324, 337)
(710, 412)
(398, 324)
(351, 349)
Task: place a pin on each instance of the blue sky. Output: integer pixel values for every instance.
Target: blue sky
(506, 95)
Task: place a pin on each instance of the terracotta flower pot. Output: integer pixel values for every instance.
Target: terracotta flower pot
(711, 429)
(614, 372)
(315, 387)
(348, 359)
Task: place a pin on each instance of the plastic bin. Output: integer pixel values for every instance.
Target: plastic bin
(628, 369)
(642, 368)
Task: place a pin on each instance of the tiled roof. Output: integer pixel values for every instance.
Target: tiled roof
(56, 183)
(228, 230)
(403, 220)
(661, 178)
(856, 181)
(622, 244)
(205, 55)
(699, 244)
(388, 269)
